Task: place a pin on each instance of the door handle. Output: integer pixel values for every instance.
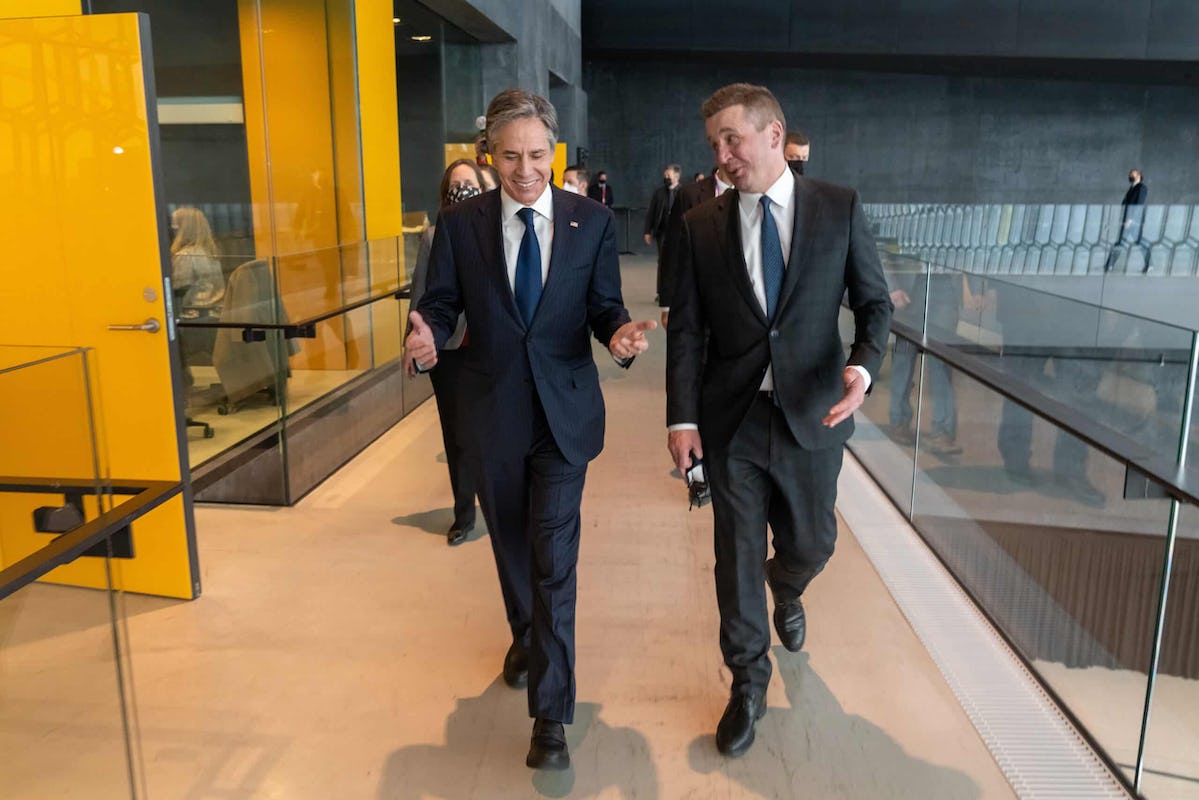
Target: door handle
(149, 326)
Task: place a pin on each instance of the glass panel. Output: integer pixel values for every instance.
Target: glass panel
(1171, 769)
(47, 433)
(884, 438)
(1034, 524)
(62, 731)
(1124, 372)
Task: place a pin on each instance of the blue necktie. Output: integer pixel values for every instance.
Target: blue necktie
(528, 270)
(772, 259)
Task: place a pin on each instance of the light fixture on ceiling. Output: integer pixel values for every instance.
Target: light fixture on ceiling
(422, 38)
(396, 21)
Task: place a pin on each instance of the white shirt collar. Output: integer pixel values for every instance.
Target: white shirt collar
(543, 205)
(780, 192)
(721, 186)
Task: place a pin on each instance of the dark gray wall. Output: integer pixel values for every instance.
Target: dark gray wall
(912, 138)
(524, 42)
(1101, 29)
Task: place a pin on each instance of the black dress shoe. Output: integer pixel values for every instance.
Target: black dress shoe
(458, 534)
(735, 733)
(547, 748)
(789, 620)
(516, 666)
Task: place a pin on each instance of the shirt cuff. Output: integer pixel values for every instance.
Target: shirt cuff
(683, 426)
(862, 370)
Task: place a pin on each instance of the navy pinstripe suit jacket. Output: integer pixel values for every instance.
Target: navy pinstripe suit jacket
(505, 360)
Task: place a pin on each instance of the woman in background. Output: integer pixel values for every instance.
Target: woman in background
(195, 261)
(462, 179)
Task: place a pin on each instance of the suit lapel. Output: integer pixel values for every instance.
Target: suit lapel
(803, 230)
(728, 233)
(490, 233)
(560, 248)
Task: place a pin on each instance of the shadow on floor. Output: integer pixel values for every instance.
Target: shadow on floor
(484, 758)
(814, 749)
(435, 520)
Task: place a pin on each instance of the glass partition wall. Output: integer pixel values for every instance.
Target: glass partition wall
(291, 244)
(1034, 441)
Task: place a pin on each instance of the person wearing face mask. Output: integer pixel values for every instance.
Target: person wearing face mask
(657, 219)
(574, 180)
(796, 150)
(601, 190)
(690, 195)
(1132, 216)
(462, 179)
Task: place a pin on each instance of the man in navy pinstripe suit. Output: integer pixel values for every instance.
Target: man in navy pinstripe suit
(536, 271)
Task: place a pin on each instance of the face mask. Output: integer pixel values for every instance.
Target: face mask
(603, 181)
(796, 165)
(1131, 179)
(461, 191)
(570, 187)
(666, 182)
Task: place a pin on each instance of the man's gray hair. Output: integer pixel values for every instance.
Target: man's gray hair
(513, 104)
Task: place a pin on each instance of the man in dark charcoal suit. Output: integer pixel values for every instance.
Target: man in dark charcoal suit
(756, 367)
(690, 195)
(536, 271)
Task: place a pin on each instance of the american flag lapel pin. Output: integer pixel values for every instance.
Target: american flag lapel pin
(574, 224)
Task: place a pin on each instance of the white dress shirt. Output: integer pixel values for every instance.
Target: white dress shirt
(514, 230)
(782, 208)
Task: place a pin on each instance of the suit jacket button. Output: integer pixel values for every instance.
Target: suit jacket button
(774, 334)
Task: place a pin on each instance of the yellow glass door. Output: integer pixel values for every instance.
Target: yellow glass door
(85, 264)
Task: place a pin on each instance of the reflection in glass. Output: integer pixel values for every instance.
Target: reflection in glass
(1171, 770)
(1065, 565)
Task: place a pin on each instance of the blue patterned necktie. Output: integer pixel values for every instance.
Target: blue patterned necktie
(528, 270)
(772, 259)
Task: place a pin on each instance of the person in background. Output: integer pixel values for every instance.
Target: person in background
(574, 180)
(1132, 217)
(462, 179)
(699, 176)
(491, 178)
(689, 197)
(600, 191)
(657, 219)
(195, 260)
(796, 150)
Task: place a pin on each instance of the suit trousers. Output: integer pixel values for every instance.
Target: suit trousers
(530, 496)
(447, 387)
(764, 477)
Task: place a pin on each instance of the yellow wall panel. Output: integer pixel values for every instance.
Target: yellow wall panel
(453, 152)
(15, 9)
(83, 245)
(380, 118)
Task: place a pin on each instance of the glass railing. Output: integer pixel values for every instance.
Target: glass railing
(1044, 446)
(293, 339)
(65, 689)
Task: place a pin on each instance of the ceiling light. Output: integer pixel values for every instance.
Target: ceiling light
(422, 38)
(396, 20)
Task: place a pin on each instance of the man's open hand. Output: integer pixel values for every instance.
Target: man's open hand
(855, 395)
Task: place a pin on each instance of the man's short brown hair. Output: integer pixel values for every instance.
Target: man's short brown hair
(760, 105)
(796, 138)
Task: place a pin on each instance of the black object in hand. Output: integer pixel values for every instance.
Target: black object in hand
(699, 493)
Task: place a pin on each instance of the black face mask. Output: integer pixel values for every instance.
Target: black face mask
(1131, 179)
(666, 182)
(602, 181)
(796, 165)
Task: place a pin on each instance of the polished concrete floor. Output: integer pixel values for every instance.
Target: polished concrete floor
(341, 650)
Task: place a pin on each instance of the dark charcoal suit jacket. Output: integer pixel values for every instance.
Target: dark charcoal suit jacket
(720, 342)
(690, 195)
(467, 272)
